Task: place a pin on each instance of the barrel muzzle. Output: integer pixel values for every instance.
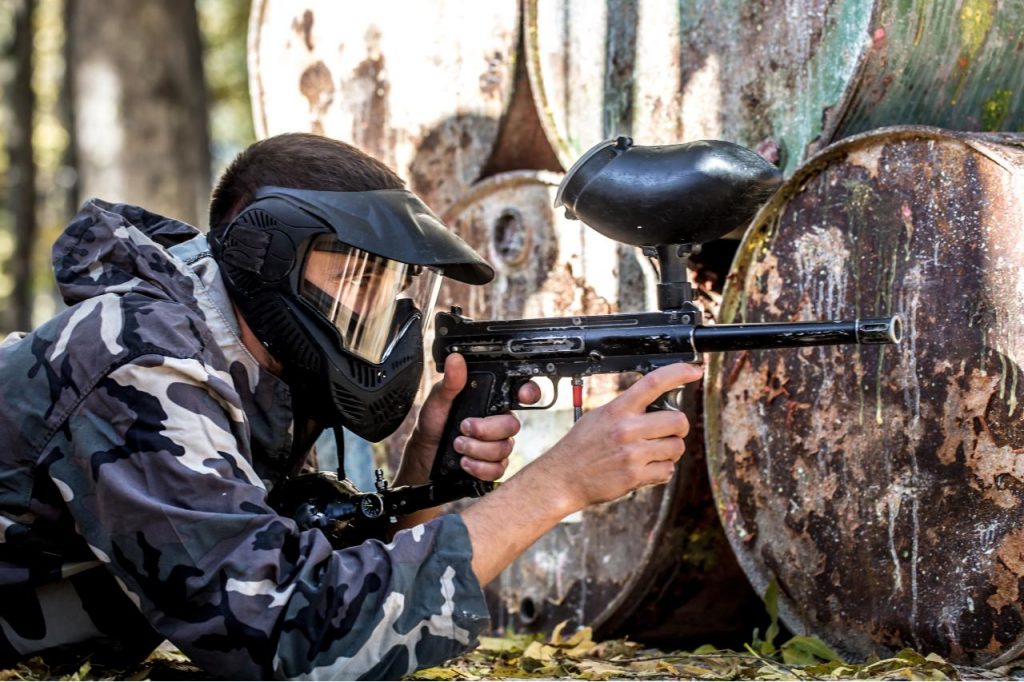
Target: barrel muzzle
(880, 330)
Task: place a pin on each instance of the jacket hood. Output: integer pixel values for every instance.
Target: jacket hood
(119, 248)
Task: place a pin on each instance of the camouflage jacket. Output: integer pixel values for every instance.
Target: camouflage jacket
(137, 431)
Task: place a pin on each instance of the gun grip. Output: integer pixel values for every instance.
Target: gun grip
(472, 401)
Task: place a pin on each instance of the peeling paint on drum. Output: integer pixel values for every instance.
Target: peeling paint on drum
(790, 75)
(883, 487)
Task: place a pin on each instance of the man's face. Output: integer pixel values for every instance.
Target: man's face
(353, 283)
(358, 293)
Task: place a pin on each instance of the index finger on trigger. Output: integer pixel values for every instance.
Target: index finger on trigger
(664, 379)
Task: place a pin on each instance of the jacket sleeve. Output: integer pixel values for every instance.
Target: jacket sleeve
(161, 488)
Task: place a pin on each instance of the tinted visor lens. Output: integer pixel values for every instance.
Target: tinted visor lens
(358, 293)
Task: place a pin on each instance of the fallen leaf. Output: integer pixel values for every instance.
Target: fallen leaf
(437, 674)
(804, 650)
(597, 670)
(615, 648)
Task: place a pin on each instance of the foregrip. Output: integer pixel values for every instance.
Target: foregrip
(472, 401)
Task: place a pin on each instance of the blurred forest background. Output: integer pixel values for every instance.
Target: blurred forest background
(134, 102)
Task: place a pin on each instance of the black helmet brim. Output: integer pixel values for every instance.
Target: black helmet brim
(392, 223)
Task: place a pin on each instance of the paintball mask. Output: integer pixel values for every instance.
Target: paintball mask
(336, 285)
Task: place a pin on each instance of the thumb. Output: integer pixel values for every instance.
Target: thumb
(439, 403)
(454, 379)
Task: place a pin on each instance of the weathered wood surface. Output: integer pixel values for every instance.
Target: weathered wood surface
(883, 487)
(785, 76)
(419, 85)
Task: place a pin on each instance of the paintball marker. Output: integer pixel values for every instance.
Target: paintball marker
(663, 199)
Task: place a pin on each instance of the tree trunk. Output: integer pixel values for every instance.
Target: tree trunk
(66, 114)
(139, 99)
(22, 181)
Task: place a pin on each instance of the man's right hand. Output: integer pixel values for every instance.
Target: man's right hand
(610, 452)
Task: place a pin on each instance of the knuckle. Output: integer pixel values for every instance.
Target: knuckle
(469, 447)
(498, 427)
(622, 458)
(635, 457)
(639, 479)
(662, 379)
(488, 451)
(494, 471)
(512, 425)
(622, 431)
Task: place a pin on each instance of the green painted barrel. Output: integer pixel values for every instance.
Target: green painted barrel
(882, 487)
(787, 77)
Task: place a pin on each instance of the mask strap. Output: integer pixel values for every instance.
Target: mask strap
(339, 444)
(305, 431)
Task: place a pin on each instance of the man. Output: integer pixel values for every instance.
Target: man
(143, 425)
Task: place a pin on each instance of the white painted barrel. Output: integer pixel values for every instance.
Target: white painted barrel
(421, 85)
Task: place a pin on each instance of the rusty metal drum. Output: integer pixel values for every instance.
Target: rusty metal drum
(786, 77)
(882, 488)
(410, 83)
(655, 566)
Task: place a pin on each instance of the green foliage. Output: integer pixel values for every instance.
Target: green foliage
(995, 109)
(804, 650)
(771, 605)
(224, 26)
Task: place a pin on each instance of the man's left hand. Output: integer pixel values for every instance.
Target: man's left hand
(484, 442)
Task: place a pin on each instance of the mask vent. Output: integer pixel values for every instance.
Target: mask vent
(349, 404)
(295, 348)
(392, 407)
(287, 341)
(368, 376)
(258, 218)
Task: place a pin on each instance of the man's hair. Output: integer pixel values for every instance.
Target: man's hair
(296, 161)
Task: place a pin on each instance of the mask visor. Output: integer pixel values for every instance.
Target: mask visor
(358, 293)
